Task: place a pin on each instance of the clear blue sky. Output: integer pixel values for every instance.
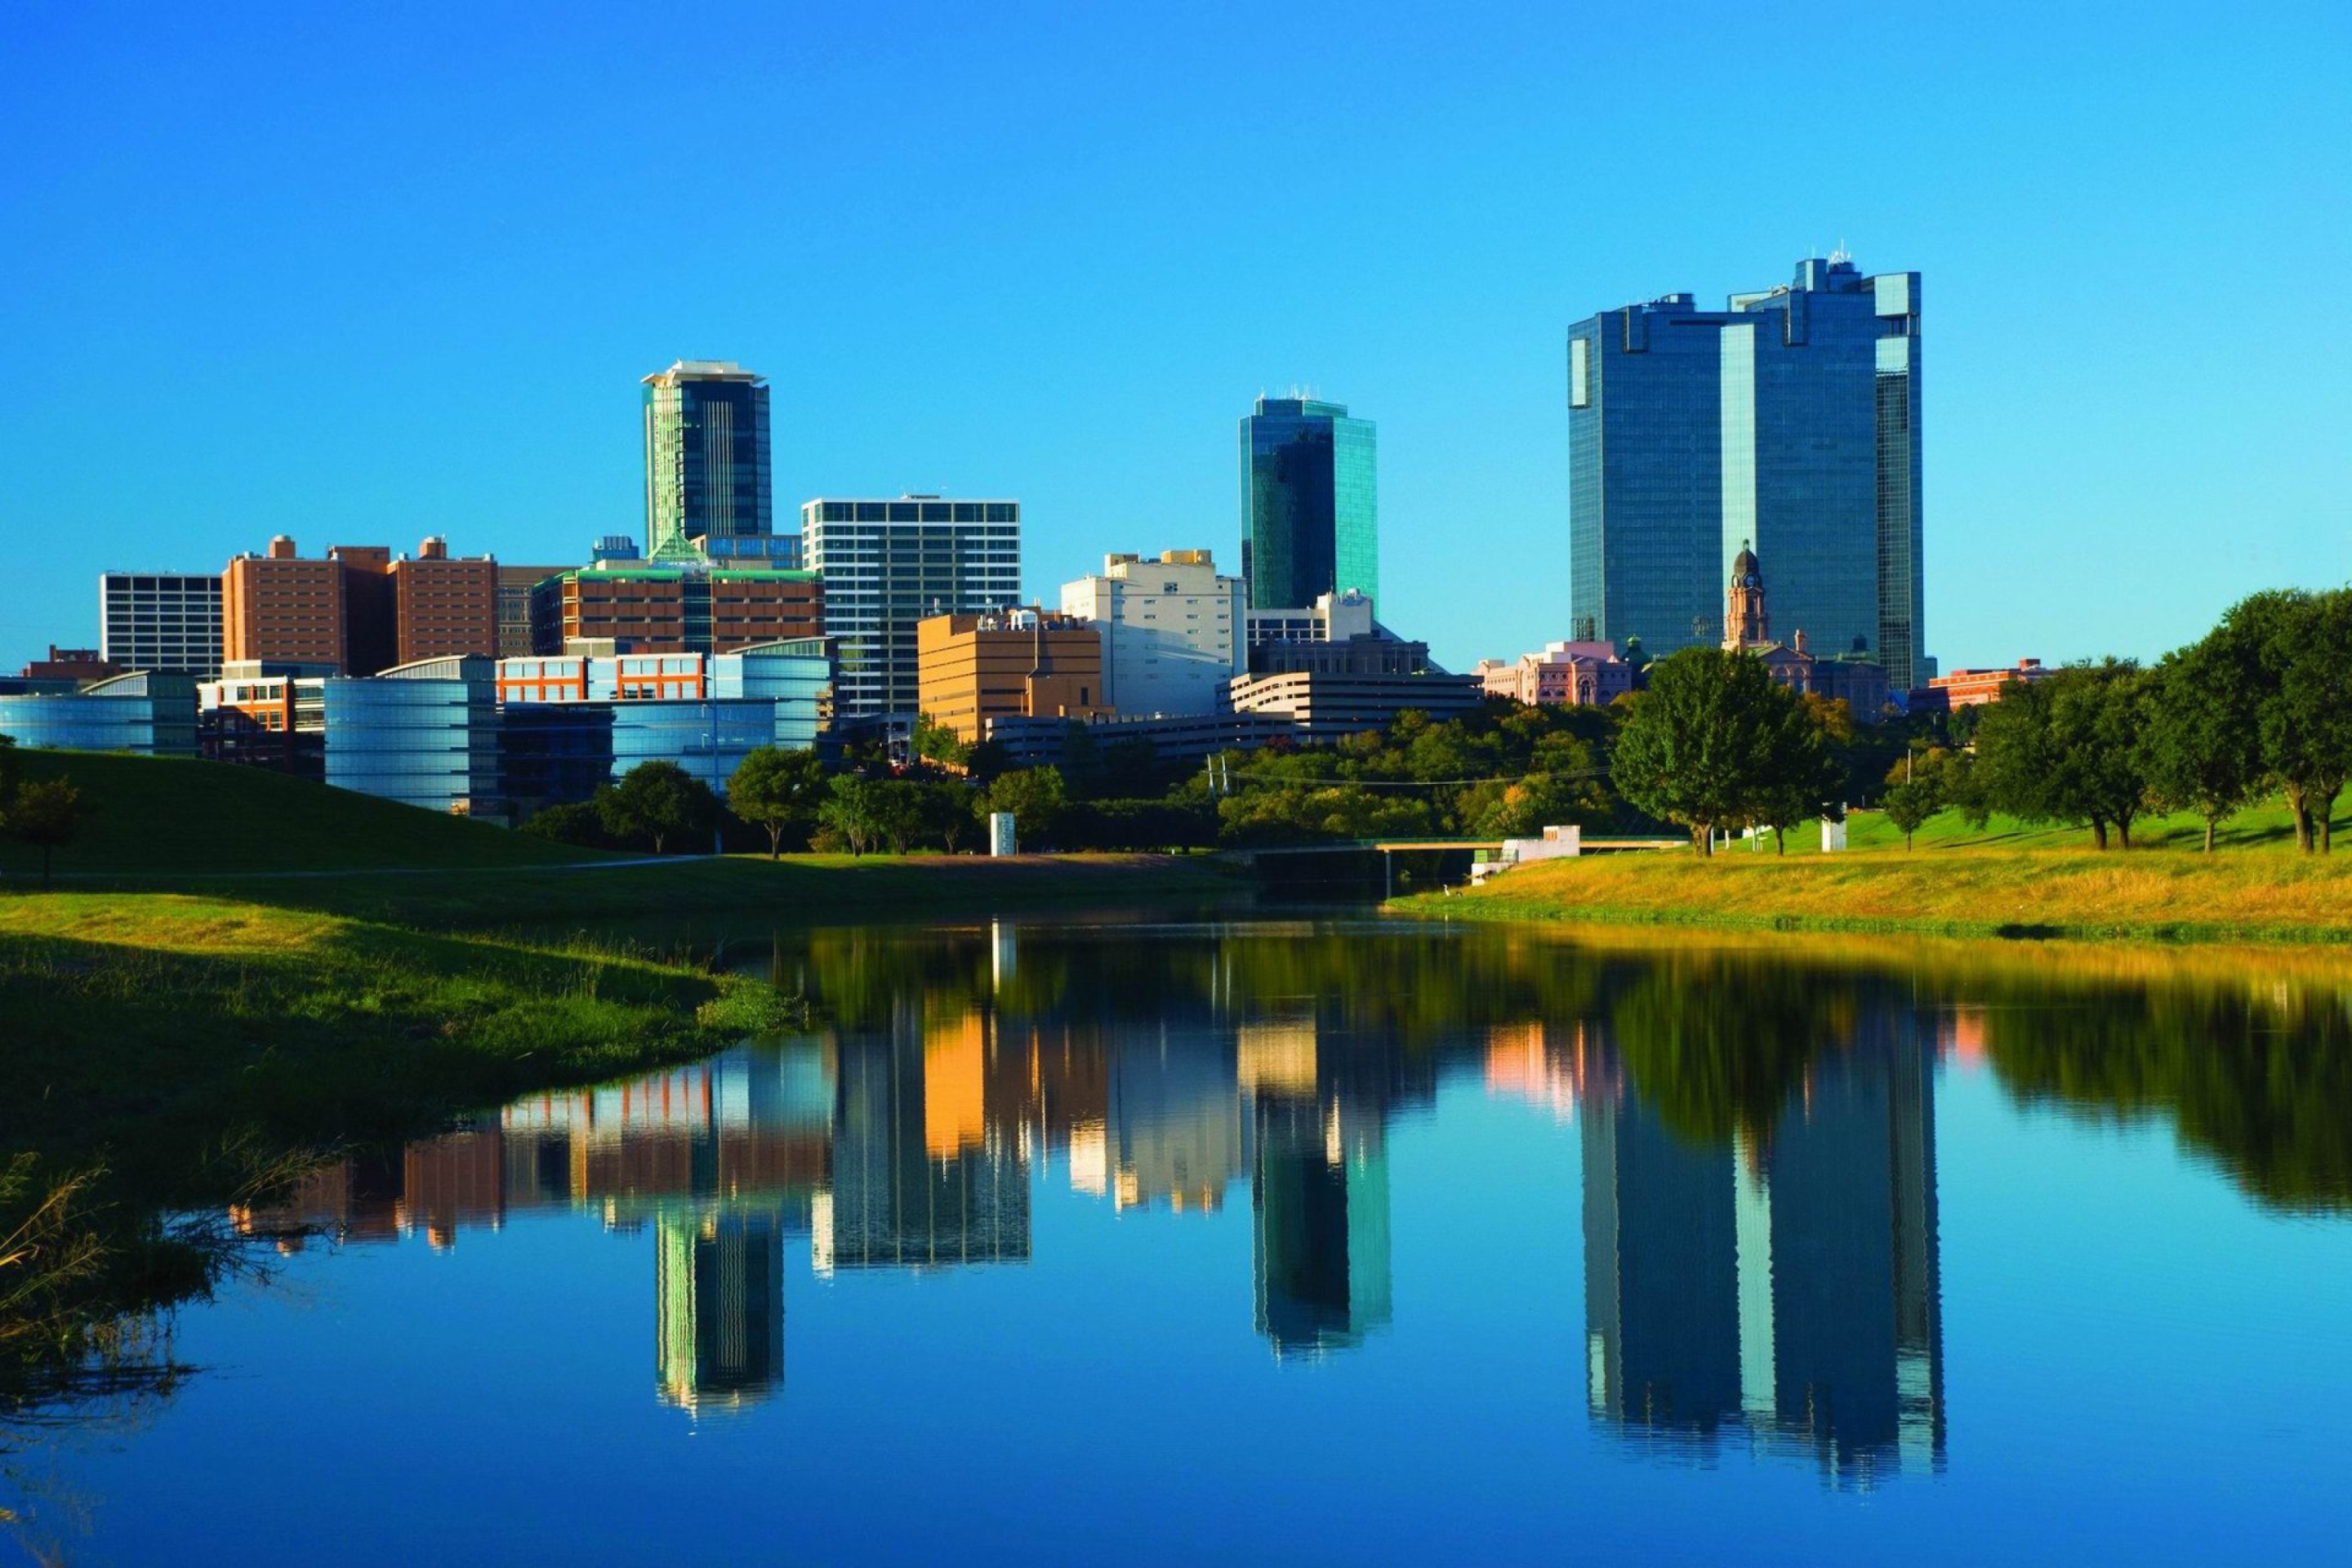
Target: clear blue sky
(361, 273)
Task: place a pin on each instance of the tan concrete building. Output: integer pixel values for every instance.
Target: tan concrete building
(1020, 662)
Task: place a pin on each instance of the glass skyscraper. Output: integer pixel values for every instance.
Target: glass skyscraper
(705, 455)
(1789, 422)
(1310, 505)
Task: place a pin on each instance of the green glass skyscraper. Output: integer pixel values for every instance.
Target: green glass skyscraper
(1310, 505)
(706, 455)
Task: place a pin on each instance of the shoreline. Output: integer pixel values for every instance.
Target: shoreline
(2160, 897)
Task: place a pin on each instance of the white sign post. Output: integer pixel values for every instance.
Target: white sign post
(1000, 834)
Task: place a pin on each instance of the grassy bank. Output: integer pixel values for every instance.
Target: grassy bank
(216, 831)
(146, 1025)
(1986, 888)
(167, 1055)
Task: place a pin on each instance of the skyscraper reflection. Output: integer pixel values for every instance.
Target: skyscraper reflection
(922, 1175)
(1784, 1281)
(718, 1291)
(1318, 1193)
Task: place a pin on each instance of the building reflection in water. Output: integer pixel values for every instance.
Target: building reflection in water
(1781, 1284)
(1760, 1246)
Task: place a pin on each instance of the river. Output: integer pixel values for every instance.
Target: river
(1313, 1241)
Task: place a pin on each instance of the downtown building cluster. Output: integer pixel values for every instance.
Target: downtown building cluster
(1704, 445)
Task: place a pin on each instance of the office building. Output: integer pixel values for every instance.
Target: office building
(360, 610)
(1974, 688)
(271, 715)
(1018, 663)
(444, 607)
(707, 456)
(1171, 631)
(152, 713)
(161, 620)
(424, 734)
(1789, 422)
(66, 669)
(1326, 705)
(1584, 674)
(515, 585)
(1310, 508)
(888, 565)
(685, 604)
(571, 723)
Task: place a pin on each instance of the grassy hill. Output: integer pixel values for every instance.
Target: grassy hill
(175, 816)
(162, 824)
(2006, 878)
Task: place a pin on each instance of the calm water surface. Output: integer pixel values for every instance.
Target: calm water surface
(1316, 1243)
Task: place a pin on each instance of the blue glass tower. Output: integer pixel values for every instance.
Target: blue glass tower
(1310, 505)
(1789, 422)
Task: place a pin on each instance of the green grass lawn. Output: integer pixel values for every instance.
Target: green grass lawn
(211, 829)
(2005, 879)
(152, 816)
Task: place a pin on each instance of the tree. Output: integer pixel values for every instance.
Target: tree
(2067, 749)
(1804, 776)
(578, 824)
(1700, 745)
(946, 813)
(2203, 740)
(935, 743)
(657, 800)
(1909, 805)
(1034, 796)
(2293, 652)
(895, 809)
(779, 791)
(848, 810)
(47, 814)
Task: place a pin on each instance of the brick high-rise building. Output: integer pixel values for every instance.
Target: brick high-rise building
(281, 608)
(444, 607)
(358, 611)
(676, 607)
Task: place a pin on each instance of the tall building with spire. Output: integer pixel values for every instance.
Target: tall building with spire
(1787, 423)
(1745, 624)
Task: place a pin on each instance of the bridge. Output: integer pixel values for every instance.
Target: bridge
(1387, 848)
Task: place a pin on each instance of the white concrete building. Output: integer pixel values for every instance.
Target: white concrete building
(1171, 631)
(888, 565)
(1332, 617)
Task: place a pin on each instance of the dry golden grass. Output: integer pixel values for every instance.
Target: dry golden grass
(2076, 892)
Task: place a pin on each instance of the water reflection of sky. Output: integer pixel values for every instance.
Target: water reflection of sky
(1171, 1254)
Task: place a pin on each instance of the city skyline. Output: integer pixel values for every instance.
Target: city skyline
(2075, 205)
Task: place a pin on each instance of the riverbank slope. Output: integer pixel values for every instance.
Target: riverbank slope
(173, 826)
(2166, 894)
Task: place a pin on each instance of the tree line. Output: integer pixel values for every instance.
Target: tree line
(2260, 706)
